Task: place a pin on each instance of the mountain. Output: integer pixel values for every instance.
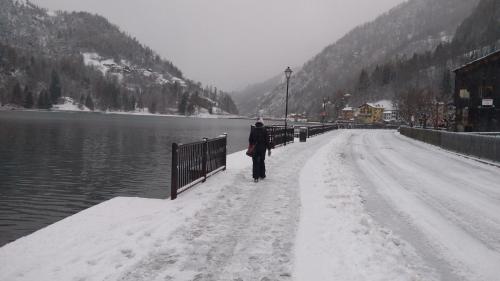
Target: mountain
(84, 57)
(480, 29)
(416, 84)
(413, 27)
(250, 98)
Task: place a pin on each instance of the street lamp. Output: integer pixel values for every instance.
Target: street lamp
(288, 74)
(326, 102)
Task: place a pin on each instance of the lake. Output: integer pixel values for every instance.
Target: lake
(55, 164)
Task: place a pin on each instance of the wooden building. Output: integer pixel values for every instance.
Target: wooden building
(477, 95)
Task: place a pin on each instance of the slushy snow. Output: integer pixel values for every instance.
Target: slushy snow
(309, 220)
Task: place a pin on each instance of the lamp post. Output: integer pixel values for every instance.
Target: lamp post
(288, 74)
(326, 102)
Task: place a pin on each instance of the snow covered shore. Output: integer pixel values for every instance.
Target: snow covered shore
(309, 220)
(70, 107)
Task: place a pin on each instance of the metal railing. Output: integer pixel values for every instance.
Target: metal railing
(316, 130)
(193, 163)
(277, 135)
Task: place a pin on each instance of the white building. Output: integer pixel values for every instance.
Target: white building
(391, 114)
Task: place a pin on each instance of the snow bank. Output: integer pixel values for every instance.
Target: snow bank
(8, 107)
(68, 104)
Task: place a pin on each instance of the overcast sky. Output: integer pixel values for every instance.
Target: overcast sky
(233, 43)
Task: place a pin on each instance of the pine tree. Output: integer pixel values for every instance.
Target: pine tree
(55, 87)
(28, 98)
(387, 74)
(446, 88)
(44, 101)
(190, 108)
(17, 96)
(125, 103)
(132, 103)
(89, 103)
(48, 100)
(183, 104)
(41, 100)
(140, 102)
(152, 108)
(364, 81)
(82, 101)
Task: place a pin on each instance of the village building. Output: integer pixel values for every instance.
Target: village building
(347, 114)
(391, 114)
(296, 117)
(370, 113)
(477, 95)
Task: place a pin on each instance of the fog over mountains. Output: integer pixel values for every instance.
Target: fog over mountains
(412, 47)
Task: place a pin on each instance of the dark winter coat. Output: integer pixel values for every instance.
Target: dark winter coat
(260, 138)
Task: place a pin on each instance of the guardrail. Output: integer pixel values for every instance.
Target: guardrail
(277, 135)
(483, 146)
(193, 163)
(316, 130)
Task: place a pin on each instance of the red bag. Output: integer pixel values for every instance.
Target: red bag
(251, 150)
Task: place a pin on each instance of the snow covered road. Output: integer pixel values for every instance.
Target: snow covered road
(446, 205)
(347, 205)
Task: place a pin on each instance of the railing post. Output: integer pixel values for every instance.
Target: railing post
(225, 151)
(174, 182)
(204, 159)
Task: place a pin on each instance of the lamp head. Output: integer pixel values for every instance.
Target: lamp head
(288, 73)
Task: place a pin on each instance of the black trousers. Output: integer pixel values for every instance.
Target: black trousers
(259, 165)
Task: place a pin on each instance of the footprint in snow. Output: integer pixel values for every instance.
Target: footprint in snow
(128, 253)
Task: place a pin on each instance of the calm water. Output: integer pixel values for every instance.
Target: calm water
(53, 165)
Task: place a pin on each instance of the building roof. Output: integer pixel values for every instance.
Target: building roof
(386, 104)
(484, 60)
(373, 105)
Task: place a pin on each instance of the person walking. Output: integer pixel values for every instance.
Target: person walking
(259, 138)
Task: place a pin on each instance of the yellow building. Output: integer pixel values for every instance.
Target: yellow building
(370, 113)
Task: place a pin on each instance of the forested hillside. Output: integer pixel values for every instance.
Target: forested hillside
(377, 60)
(45, 56)
(415, 84)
